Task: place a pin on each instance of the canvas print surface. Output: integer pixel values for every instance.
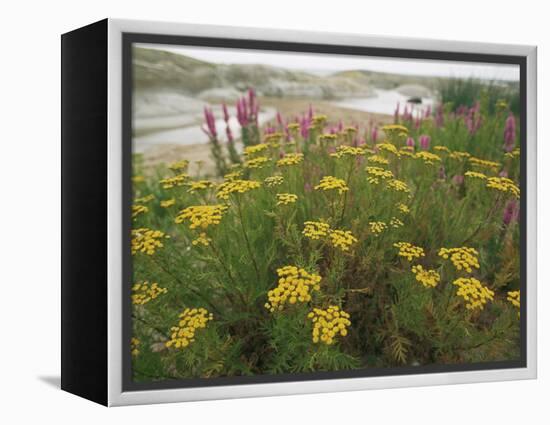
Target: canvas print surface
(296, 213)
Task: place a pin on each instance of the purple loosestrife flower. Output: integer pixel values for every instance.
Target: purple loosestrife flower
(242, 115)
(280, 120)
(225, 113)
(510, 133)
(304, 127)
(424, 142)
(340, 127)
(210, 129)
(374, 134)
(417, 122)
(410, 142)
(428, 111)
(511, 212)
(503, 173)
(229, 134)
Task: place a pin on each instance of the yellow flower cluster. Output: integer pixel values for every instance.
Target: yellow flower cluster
(459, 155)
(395, 222)
(332, 183)
(428, 157)
(134, 346)
(168, 203)
(374, 173)
(144, 199)
(146, 240)
(286, 198)
(406, 151)
(319, 120)
(442, 148)
(344, 150)
(190, 321)
(328, 324)
(251, 150)
(475, 175)
(428, 278)
(273, 181)
(473, 292)
(462, 258)
(514, 298)
(408, 250)
(199, 185)
(144, 292)
(388, 147)
(293, 126)
(328, 137)
(395, 129)
(233, 175)
(403, 208)
(515, 153)
(503, 184)
(138, 179)
(258, 162)
(201, 215)
(295, 285)
(138, 209)
(202, 239)
(290, 159)
(483, 163)
(377, 159)
(236, 186)
(315, 229)
(273, 139)
(179, 165)
(377, 227)
(342, 239)
(176, 181)
(398, 186)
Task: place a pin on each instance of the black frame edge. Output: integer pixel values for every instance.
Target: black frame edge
(84, 212)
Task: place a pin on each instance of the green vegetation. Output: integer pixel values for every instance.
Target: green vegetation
(326, 247)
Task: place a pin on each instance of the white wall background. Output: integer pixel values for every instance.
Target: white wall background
(30, 199)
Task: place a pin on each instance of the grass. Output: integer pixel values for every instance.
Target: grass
(323, 249)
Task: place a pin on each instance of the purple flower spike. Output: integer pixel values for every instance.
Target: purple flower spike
(229, 135)
(410, 142)
(210, 123)
(374, 134)
(225, 113)
(511, 212)
(280, 119)
(428, 111)
(424, 142)
(510, 133)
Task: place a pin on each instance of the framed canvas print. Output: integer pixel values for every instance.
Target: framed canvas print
(251, 212)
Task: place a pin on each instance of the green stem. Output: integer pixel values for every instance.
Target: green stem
(247, 241)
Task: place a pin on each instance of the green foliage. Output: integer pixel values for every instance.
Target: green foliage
(465, 92)
(230, 266)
